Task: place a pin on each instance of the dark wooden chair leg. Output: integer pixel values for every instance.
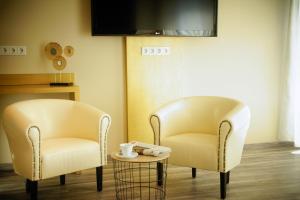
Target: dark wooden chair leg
(27, 185)
(33, 190)
(194, 172)
(223, 184)
(160, 171)
(99, 177)
(227, 177)
(62, 179)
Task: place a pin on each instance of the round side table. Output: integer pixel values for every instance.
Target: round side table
(143, 177)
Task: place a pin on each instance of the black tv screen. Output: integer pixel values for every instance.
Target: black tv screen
(154, 17)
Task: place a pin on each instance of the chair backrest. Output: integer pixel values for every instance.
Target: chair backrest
(54, 117)
(196, 114)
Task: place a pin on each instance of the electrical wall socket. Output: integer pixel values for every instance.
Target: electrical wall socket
(13, 50)
(4, 50)
(22, 50)
(155, 51)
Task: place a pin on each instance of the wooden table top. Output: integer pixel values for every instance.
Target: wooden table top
(141, 158)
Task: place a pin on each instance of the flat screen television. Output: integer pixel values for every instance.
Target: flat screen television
(154, 17)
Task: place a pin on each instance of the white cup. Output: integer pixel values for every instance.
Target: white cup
(126, 149)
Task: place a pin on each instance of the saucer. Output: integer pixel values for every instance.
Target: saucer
(133, 155)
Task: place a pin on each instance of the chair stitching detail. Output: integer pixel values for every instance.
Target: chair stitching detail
(225, 142)
(154, 130)
(39, 153)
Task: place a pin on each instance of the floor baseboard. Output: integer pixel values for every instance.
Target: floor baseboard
(268, 145)
(6, 167)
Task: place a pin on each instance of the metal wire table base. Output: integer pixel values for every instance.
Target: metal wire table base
(140, 180)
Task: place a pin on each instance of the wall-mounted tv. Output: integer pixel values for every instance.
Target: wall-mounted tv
(154, 17)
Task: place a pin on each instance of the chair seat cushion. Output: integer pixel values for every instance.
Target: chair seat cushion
(197, 150)
(66, 155)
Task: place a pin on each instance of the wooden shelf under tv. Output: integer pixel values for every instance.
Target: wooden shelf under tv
(36, 84)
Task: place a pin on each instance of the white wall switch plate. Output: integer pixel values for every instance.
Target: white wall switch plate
(156, 51)
(13, 50)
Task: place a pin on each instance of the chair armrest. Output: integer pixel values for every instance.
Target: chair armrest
(163, 120)
(90, 123)
(232, 134)
(24, 138)
(105, 122)
(93, 124)
(155, 124)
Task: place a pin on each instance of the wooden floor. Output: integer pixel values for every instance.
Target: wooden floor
(268, 171)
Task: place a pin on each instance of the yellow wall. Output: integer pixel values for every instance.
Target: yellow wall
(243, 62)
(98, 62)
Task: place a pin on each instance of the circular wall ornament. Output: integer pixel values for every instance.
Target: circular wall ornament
(59, 63)
(53, 50)
(69, 51)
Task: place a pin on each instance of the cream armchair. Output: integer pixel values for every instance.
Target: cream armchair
(203, 132)
(54, 137)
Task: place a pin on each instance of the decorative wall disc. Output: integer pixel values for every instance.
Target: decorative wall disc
(69, 51)
(59, 63)
(53, 50)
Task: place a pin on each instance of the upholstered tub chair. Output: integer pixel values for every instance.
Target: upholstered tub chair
(54, 137)
(204, 132)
